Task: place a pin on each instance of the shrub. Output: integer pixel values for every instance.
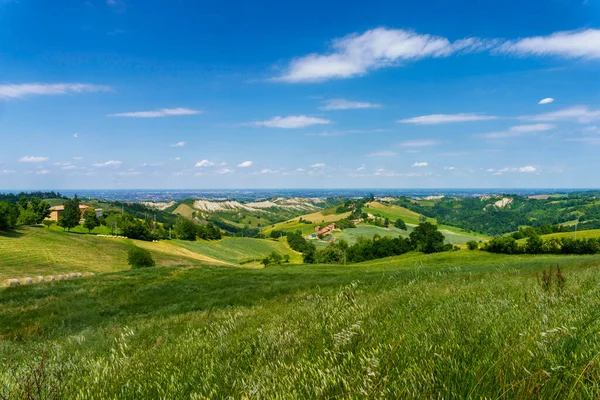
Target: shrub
(472, 245)
(140, 258)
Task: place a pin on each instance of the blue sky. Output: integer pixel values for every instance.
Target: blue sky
(269, 94)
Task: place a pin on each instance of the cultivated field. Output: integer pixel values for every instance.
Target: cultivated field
(464, 324)
(393, 212)
(240, 250)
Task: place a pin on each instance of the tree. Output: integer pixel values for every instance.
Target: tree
(400, 224)
(112, 222)
(90, 220)
(70, 215)
(427, 238)
(140, 258)
(386, 222)
(40, 208)
(27, 216)
(48, 223)
(422, 219)
(472, 245)
(185, 229)
(9, 214)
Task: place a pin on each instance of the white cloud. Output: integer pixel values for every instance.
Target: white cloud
(204, 164)
(435, 119)
(268, 171)
(579, 113)
(31, 159)
(317, 165)
(547, 100)
(361, 168)
(568, 44)
(178, 144)
(245, 164)
(518, 130)
(527, 168)
(292, 122)
(62, 164)
(343, 104)
(7, 171)
(384, 153)
(17, 91)
(225, 171)
(163, 112)
(177, 159)
(76, 135)
(418, 143)
(77, 158)
(111, 163)
(357, 54)
(43, 172)
(347, 132)
(420, 164)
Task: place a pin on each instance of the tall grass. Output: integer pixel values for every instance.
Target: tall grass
(384, 331)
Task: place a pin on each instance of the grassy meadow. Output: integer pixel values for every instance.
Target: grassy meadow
(34, 251)
(464, 324)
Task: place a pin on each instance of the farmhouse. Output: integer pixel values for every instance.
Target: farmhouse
(56, 212)
(323, 231)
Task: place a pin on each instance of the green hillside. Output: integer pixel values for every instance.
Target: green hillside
(393, 212)
(36, 251)
(464, 324)
(592, 233)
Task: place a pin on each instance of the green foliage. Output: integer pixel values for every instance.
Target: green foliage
(48, 223)
(90, 220)
(71, 215)
(27, 217)
(426, 238)
(185, 229)
(9, 214)
(140, 258)
(472, 245)
(400, 224)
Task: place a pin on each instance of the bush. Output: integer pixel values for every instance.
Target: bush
(472, 245)
(140, 258)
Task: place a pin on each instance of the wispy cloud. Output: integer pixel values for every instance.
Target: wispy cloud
(420, 164)
(343, 104)
(418, 143)
(268, 171)
(578, 113)
(347, 132)
(204, 164)
(568, 44)
(524, 169)
(384, 153)
(356, 54)
(7, 171)
(43, 172)
(32, 159)
(518, 130)
(245, 164)
(547, 100)
(224, 171)
(291, 122)
(178, 144)
(435, 119)
(111, 163)
(317, 165)
(163, 112)
(76, 135)
(18, 91)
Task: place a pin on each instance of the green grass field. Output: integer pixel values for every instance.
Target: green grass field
(464, 324)
(34, 251)
(238, 250)
(592, 233)
(394, 212)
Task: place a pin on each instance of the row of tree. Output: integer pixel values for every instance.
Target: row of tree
(536, 245)
(25, 211)
(187, 229)
(424, 238)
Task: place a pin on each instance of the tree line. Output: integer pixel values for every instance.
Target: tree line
(424, 238)
(536, 245)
